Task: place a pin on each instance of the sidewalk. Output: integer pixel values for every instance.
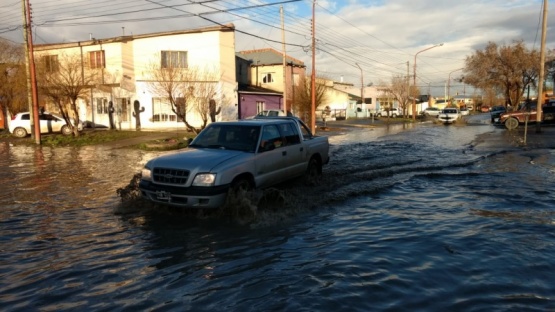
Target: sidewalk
(532, 139)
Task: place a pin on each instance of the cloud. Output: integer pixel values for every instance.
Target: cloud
(381, 36)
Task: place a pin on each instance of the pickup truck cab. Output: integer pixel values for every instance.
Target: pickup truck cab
(234, 155)
(512, 120)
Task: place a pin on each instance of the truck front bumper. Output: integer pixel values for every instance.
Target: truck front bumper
(186, 197)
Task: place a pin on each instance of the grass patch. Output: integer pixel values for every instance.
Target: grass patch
(88, 138)
(163, 145)
(174, 141)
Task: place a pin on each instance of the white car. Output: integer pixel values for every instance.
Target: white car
(431, 111)
(392, 112)
(269, 113)
(20, 125)
(449, 115)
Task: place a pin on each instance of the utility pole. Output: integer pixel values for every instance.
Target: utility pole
(542, 70)
(284, 63)
(31, 71)
(408, 89)
(361, 86)
(313, 75)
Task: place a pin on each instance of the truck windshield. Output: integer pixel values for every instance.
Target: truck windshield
(230, 137)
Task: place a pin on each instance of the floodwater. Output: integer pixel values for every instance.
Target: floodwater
(423, 217)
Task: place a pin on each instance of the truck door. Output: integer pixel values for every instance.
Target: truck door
(271, 157)
(296, 162)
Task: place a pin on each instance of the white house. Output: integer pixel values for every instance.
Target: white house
(124, 65)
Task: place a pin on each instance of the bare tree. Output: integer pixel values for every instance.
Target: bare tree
(302, 102)
(64, 80)
(190, 91)
(510, 68)
(400, 91)
(13, 88)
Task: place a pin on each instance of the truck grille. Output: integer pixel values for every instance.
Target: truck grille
(170, 176)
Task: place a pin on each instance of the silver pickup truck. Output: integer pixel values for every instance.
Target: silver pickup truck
(244, 154)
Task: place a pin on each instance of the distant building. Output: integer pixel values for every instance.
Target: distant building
(262, 80)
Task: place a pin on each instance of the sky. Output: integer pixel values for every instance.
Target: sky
(370, 39)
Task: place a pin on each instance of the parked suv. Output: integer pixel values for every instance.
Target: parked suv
(20, 125)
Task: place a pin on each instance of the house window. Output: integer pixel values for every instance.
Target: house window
(96, 59)
(296, 79)
(268, 78)
(162, 109)
(259, 107)
(101, 105)
(174, 59)
(51, 63)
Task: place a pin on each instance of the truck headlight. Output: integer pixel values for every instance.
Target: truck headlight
(146, 174)
(204, 179)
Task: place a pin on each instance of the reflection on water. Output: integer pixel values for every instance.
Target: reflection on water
(420, 218)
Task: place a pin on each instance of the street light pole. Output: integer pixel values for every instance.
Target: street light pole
(361, 86)
(414, 78)
(449, 83)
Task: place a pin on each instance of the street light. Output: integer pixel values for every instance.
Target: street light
(449, 83)
(414, 78)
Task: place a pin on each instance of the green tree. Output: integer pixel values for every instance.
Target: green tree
(509, 68)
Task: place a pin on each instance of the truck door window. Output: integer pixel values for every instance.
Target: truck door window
(271, 138)
(290, 134)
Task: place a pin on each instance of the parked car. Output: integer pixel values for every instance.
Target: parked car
(20, 124)
(232, 156)
(431, 111)
(449, 115)
(390, 112)
(464, 111)
(512, 120)
(496, 112)
(269, 113)
(484, 109)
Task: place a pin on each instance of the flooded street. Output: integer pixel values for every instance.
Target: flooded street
(407, 217)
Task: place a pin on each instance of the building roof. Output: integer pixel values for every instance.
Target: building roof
(93, 41)
(267, 56)
(250, 89)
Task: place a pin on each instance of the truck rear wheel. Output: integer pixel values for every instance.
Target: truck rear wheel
(511, 123)
(313, 172)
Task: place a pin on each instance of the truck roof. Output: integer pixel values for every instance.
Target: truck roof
(261, 120)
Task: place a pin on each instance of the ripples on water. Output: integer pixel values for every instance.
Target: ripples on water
(424, 218)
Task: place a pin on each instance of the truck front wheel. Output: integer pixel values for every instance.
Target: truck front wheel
(241, 185)
(511, 123)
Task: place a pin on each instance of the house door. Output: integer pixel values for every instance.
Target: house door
(123, 112)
